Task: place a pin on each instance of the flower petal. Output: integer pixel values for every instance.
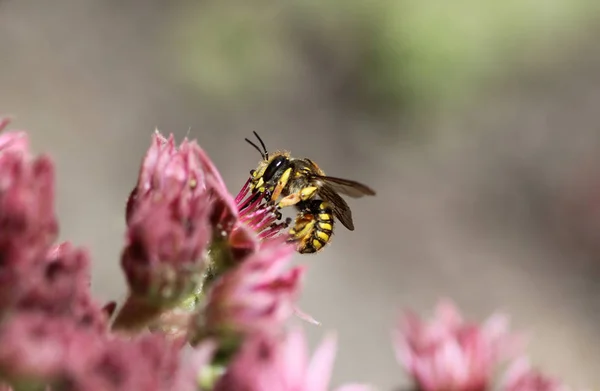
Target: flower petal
(319, 370)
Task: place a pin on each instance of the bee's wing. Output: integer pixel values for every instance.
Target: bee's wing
(341, 210)
(346, 186)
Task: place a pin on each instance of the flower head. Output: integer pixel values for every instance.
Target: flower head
(168, 222)
(244, 223)
(184, 230)
(180, 208)
(27, 218)
(255, 213)
(522, 377)
(267, 362)
(256, 296)
(451, 354)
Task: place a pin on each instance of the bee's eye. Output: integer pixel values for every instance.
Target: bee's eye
(273, 167)
(252, 172)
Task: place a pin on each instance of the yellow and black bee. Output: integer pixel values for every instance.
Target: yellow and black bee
(287, 181)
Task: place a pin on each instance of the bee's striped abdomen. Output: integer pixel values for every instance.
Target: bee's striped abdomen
(313, 227)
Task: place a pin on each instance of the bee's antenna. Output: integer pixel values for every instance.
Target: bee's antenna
(262, 144)
(262, 154)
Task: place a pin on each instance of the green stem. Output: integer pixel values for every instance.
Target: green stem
(209, 376)
(135, 315)
(220, 259)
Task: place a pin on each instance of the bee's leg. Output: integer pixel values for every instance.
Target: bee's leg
(281, 184)
(302, 228)
(303, 195)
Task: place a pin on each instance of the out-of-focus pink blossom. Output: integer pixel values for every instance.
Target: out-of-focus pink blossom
(268, 363)
(522, 377)
(4, 121)
(150, 363)
(449, 353)
(27, 216)
(27, 219)
(40, 349)
(13, 141)
(256, 296)
(59, 285)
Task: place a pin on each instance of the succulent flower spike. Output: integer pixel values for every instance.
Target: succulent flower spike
(184, 230)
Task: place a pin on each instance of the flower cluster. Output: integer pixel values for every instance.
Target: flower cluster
(210, 285)
(53, 333)
(211, 290)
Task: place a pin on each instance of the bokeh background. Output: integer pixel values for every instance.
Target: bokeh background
(477, 122)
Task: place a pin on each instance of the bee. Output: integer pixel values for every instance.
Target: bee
(287, 181)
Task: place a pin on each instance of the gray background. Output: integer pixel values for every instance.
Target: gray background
(480, 213)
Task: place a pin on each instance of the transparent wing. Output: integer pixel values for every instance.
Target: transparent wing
(346, 186)
(341, 210)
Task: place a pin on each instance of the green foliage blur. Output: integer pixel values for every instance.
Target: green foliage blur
(414, 55)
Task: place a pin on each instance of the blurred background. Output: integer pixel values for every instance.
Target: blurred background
(478, 123)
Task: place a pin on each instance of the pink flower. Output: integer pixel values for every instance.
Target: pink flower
(60, 286)
(522, 377)
(179, 209)
(244, 222)
(39, 349)
(261, 218)
(451, 354)
(4, 121)
(27, 218)
(168, 222)
(256, 296)
(269, 363)
(184, 231)
(150, 363)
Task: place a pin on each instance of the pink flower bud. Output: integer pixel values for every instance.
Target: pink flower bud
(168, 223)
(255, 296)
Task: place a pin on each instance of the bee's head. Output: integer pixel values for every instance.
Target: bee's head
(264, 178)
(268, 172)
